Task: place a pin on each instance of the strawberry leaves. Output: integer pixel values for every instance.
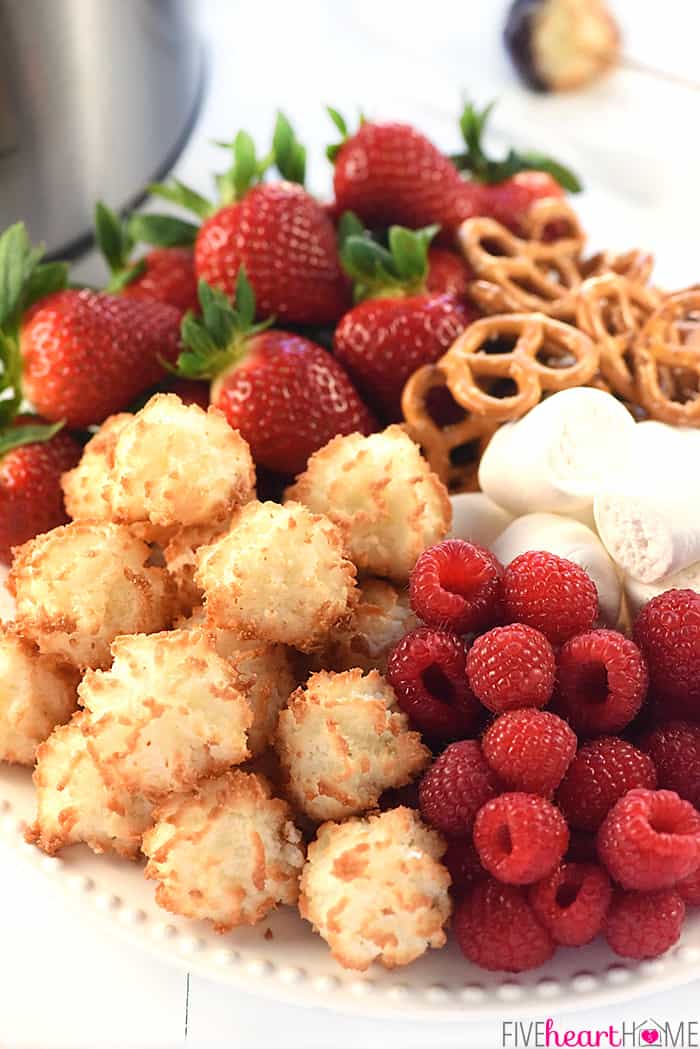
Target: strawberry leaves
(116, 243)
(472, 124)
(117, 239)
(217, 339)
(378, 272)
(178, 193)
(18, 259)
(341, 124)
(29, 433)
(162, 231)
(289, 153)
(24, 279)
(112, 237)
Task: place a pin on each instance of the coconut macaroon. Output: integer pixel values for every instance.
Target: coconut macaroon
(37, 692)
(382, 616)
(228, 852)
(279, 574)
(78, 802)
(374, 889)
(175, 465)
(382, 493)
(84, 486)
(264, 675)
(342, 741)
(79, 586)
(167, 712)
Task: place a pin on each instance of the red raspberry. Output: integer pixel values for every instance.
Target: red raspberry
(644, 924)
(601, 773)
(455, 787)
(689, 888)
(496, 928)
(601, 682)
(529, 750)
(428, 671)
(650, 839)
(520, 838)
(463, 863)
(457, 586)
(550, 593)
(572, 902)
(675, 750)
(668, 632)
(511, 667)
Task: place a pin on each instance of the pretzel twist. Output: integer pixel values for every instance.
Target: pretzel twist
(453, 449)
(667, 360)
(612, 310)
(546, 355)
(531, 275)
(636, 265)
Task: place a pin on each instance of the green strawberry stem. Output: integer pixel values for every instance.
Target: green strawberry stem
(287, 154)
(379, 272)
(162, 231)
(24, 280)
(218, 339)
(341, 124)
(31, 433)
(474, 160)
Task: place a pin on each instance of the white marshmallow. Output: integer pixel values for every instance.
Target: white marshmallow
(570, 539)
(558, 455)
(653, 529)
(661, 450)
(477, 518)
(638, 594)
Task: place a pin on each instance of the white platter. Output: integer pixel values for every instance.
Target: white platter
(284, 960)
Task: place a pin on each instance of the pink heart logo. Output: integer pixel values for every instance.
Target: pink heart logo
(650, 1036)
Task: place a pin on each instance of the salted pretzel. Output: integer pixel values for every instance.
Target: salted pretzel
(454, 446)
(612, 310)
(636, 265)
(552, 220)
(541, 354)
(667, 342)
(528, 275)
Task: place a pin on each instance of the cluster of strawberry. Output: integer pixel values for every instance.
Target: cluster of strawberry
(252, 305)
(564, 822)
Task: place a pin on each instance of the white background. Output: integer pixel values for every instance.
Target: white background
(634, 139)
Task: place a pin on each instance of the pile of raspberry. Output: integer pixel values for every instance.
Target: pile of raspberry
(566, 777)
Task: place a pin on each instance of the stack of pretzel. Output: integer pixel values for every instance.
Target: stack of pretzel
(553, 319)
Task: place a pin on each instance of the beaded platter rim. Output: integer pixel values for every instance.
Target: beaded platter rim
(283, 960)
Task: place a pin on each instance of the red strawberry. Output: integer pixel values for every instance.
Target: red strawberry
(277, 231)
(78, 356)
(509, 201)
(448, 273)
(512, 185)
(286, 243)
(168, 276)
(166, 273)
(33, 457)
(401, 326)
(286, 395)
(391, 173)
(87, 355)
